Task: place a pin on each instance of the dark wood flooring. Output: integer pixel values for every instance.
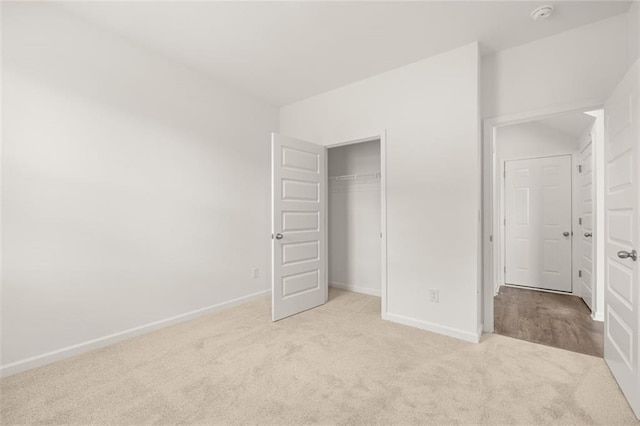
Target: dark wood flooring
(557, 320)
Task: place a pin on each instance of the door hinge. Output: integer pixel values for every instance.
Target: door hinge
(580, 273)
(490, 238)
(504, 173)
(579, 221)
(505, 221)
(505, 270)
(579, 168)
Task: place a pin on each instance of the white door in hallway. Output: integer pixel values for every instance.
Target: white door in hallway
(298, 248)
(622, 290)
(538, 223)
(585, 235)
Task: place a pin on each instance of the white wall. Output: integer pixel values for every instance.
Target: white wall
(571, 70)
(516, 142)
(581, 65)
(532, 139)
(354, 218)
(633, 29)
(135, 190)
(430, 112)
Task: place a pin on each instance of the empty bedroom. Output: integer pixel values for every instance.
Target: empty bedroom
(319, 212)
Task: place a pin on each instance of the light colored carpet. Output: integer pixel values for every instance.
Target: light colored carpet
(339, 363)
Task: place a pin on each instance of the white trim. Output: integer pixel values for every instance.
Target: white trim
(382, 137)
(69, 351)
(356, 289)
(326, 227)
(599, 215)
(488, 145)
(543, 290)
(436, 328)
(383, 223)
(576, 201)
(524, 117)
(597, 316)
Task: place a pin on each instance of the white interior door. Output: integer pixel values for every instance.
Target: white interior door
(622, 298)
(298, 248)
(538, 223)
(586, 234)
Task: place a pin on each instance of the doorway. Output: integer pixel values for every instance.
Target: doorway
(355, 217)
(301, 257)
(545, 215)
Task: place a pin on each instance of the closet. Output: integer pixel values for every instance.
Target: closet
(354, 217)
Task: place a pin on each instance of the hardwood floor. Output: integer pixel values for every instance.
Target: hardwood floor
(557, 320)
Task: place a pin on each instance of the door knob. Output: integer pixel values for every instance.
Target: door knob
(625, 255)
(566, 234)
(588, 234)
(279, 236)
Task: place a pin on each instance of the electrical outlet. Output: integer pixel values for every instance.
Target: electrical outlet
(255, 272)
(434, 295)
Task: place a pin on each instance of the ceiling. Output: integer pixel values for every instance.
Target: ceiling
(281, 52)
(572, 124)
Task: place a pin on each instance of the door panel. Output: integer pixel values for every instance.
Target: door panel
(538, 212)
(622, 299)
(586, 234)
(298, 250)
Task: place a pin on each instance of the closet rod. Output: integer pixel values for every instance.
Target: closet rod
(352, 177)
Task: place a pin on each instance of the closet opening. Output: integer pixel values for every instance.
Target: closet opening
(355, 218)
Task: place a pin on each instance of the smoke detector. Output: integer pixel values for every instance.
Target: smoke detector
(541, 13)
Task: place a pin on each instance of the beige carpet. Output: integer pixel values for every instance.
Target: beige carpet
(335, 364)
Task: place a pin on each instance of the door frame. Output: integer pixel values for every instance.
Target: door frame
(501, 261)
(489, 210)
(596, 143)
(382, 137)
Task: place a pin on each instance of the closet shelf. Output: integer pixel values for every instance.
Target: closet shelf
(354, 177)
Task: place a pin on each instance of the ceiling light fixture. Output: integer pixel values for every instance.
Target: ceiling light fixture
(541, 13)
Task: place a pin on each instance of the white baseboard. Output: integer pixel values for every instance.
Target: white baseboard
(597, 316)
(544, 290)
(57, 355)
(436, 328)
(356, 289)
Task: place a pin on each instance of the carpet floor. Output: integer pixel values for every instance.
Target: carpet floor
(336, 364)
